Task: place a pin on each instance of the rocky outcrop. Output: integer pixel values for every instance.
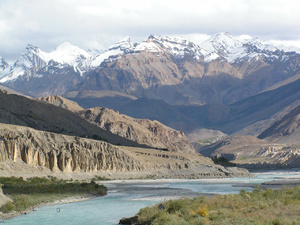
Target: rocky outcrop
(63, 153)
(142, 131)
(62, 102)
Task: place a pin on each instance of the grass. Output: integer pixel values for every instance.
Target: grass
(256, 207)
(33, 191)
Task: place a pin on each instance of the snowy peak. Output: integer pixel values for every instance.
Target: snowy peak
(224, 46)
(177, 46)
(237, 49)
(66, 53)
(122, 44)
(30, 55)
(33, 59)
(4, 67)
(220, 45)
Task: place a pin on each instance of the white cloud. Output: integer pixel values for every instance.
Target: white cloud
(47, 23)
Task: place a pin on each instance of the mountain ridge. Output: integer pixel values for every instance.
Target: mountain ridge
(220, 45)
(202, 93)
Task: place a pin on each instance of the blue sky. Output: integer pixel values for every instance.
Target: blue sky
(100, 23)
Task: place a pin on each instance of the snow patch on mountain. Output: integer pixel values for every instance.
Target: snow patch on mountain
(122, 44)
(97, 60)
(121, 47)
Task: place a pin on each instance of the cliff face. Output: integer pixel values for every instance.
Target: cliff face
(63, 153)
(24, 149)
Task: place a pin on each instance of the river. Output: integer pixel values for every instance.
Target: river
(125, 198)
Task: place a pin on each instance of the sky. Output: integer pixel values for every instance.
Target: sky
(97, 24)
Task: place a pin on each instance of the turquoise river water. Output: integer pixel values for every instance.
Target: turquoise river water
(125, 198)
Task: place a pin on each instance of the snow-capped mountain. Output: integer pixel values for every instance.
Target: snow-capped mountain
(33, 59)
(236, 49)
(30, 61)
(173, 69)
(219, 46)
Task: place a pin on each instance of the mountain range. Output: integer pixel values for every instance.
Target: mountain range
(226, 83)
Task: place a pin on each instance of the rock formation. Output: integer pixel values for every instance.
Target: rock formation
(63, 153)
(26, 148)
(62, 102)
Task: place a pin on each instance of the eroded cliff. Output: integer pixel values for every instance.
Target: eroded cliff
(23, 150)
(63, 153)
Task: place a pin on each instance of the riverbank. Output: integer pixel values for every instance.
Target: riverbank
(56, 202)
(256, 207)
(126, 197)
(26, 195)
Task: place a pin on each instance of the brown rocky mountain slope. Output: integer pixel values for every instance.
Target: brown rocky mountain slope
(62, 102)
(253, 153)
(286, 130)
(142, 131)
(19, 110)
(255, 110)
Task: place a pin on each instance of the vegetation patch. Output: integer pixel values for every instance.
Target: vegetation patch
(256, 207)
(33, 191)
(223, 161)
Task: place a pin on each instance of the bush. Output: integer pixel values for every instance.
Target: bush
(7, 207)
(148, 214)
(169, 219)
(176, 205)
(257, 207)
(36, 190)
(202, 211)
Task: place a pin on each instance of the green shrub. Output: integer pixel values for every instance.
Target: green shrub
(7, 207)
(26, 193)
(175, 205)
(148, 214)
(257, 207)
(169, 219)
